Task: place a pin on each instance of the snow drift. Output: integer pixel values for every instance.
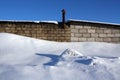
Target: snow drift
(24, 58)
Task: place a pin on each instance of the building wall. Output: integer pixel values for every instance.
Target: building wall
(95, 33)
(76, 32)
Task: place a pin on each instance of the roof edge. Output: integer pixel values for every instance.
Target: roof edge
(93, 22)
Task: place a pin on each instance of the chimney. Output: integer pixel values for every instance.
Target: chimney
(63, 18)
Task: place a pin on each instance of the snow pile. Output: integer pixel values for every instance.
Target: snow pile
(24, 58)
(71, 53)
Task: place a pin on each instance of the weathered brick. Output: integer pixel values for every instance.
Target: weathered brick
(27, 32)
(78, 27)
(87, 27)
(58, 35)
(19, 28)
(8, 31)
(67, 32)
(107, 39)
(102, 35)
(91, 30)
(72, 26)
(99, 31)
(2, 30)
(117, 35)
(72, 34)
(91, 39)
(115, 39)
(99, 39)
(115, 31)
(12, 28)
(82, 39)
(94, 35)
(74, 39)
(38, 32)
(49, 38)
(7, 28)
(56, 38)
(107, 31)
(44, 38)
(34, 35)
(78, 35)
(67, 38)
(86, 35)
(74, 30)
(82, 30)
(34, 32)
(62, 38)
(110, 35)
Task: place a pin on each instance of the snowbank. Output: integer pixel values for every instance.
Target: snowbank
(24, 58)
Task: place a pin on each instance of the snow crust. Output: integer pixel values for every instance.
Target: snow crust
(24, 58)
(53, 22)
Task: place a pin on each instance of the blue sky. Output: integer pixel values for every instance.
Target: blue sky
(92, 10)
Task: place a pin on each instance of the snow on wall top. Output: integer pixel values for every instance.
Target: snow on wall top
(55, 22)
(52, 22)
(96, 22)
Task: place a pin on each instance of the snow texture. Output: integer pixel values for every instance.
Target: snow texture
(53, 22)
(24, 58)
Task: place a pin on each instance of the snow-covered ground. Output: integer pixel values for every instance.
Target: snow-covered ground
(24, 58)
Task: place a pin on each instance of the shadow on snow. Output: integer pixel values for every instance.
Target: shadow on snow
(54, 59)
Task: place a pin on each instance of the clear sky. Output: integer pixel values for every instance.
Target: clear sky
(92, 10)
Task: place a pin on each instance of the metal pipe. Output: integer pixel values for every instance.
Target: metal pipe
(63, 17)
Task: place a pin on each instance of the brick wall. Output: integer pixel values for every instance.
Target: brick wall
(81, 32)
(47, 31)
(76, 32)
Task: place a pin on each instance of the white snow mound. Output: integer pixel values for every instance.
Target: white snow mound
(71, 53)
(24, 58)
